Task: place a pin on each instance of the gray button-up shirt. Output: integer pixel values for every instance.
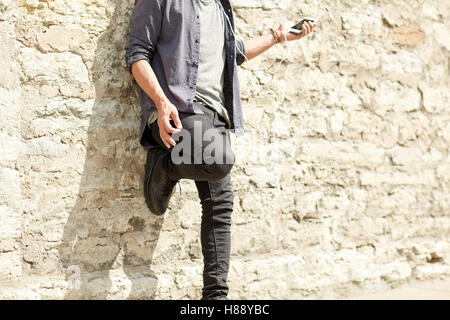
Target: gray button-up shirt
(166, 33)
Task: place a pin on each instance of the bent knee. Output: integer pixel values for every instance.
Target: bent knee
(216, 171)
(220, 165)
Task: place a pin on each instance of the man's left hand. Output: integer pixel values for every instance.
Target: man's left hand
(284, 27)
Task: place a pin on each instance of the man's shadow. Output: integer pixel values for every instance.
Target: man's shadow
(110, 235)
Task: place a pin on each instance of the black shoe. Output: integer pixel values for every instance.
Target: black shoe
(158, 188)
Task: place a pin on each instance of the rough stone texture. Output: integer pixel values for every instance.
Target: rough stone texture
(342, 181)
(410, 35)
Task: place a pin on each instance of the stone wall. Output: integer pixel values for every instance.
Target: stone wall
(341, 183)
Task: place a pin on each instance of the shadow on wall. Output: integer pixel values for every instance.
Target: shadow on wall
(110, 235)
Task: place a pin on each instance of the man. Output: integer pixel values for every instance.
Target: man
(183, 55)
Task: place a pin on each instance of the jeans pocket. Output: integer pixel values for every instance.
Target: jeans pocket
(219, 121)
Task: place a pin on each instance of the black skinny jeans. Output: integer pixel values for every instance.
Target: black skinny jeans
(213, 185)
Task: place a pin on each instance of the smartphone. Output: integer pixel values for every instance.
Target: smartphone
(297, 28)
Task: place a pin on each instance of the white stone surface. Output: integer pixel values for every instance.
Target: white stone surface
(341, 181)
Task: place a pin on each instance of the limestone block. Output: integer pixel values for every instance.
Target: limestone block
(10, 227)
(444, 8)
(435, 99)
(409, 35)
(413, 156)
(360, 56)
(426, 177)
(18, 293)
(443, 171)
(442, 35)
(314, 123)
(393, 96)
(337, 121)
(8, 65)
(401, 62)
(61, 38)
(395, 13)
(10, 147)
(341, 180)
(323, 150)
(430, 271)
(396, 271)
(54, 68)
(263, 176)
(362, 20)
(10, 186)
(46, 146)
(329, 89)
(5, 3)
(430, 10)
(10, 264)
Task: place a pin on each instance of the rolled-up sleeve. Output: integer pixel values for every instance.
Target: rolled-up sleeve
(145, 26)
(240, 52)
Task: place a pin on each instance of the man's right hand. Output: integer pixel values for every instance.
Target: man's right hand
(167, 112)
(146, 79)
